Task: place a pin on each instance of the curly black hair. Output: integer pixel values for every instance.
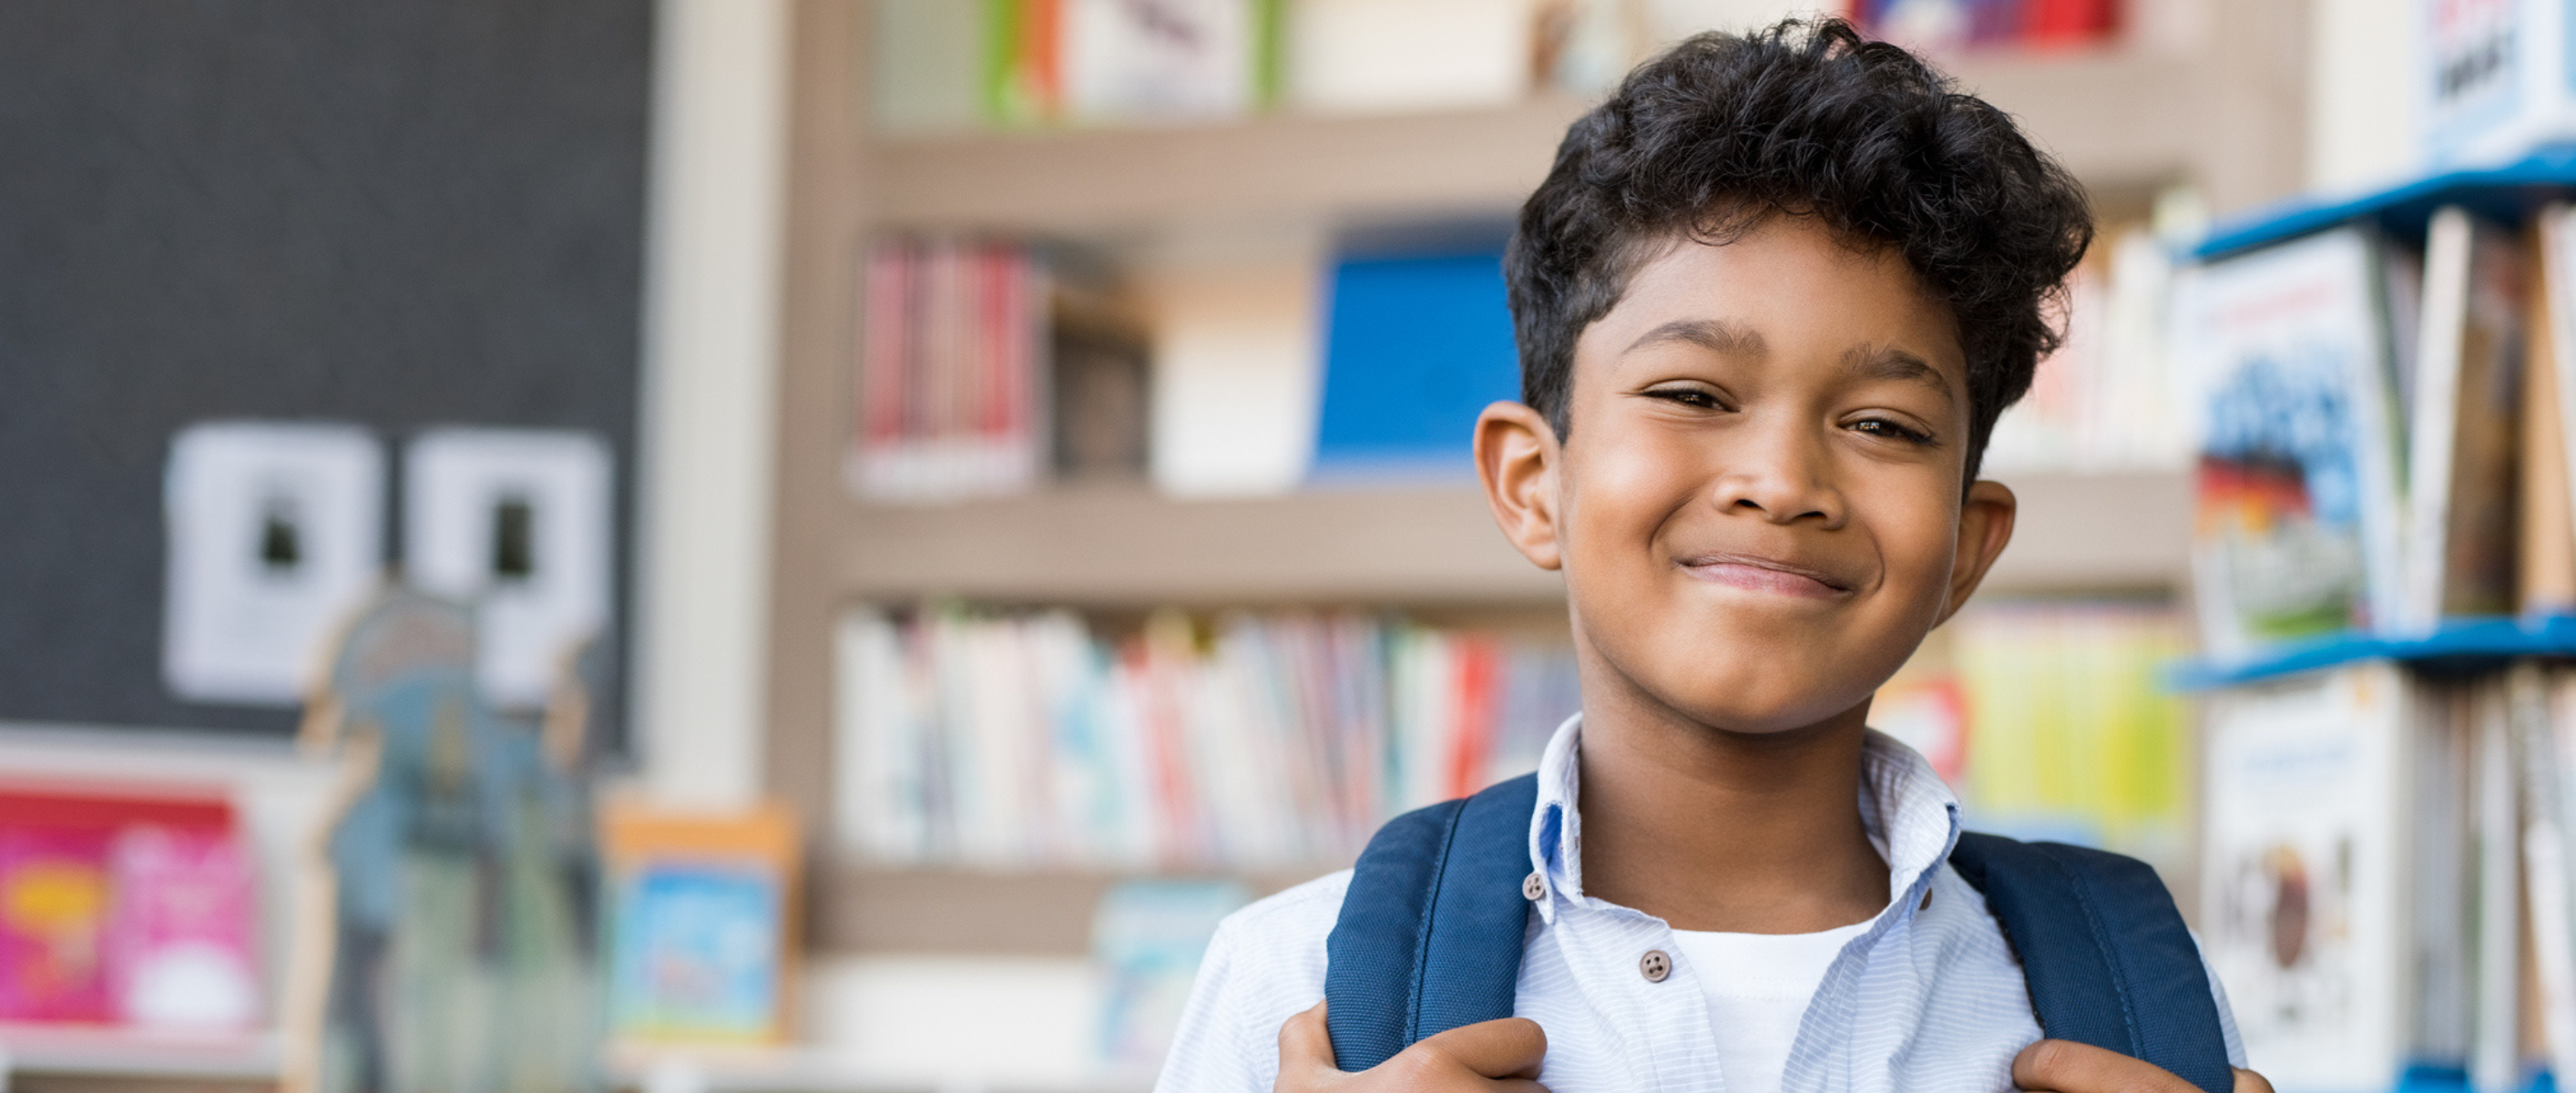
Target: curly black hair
(1803, 118)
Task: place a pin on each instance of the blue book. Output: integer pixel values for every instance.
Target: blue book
(1415, 348)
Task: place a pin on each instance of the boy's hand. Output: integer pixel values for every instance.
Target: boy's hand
(1490, 1055)
(2063, 1066)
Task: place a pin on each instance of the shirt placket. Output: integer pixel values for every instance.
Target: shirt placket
(1653, 1016)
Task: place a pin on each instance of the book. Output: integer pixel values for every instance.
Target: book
(1415, 347)
(1048, 62)
(2549, 456)
(2497, 81)
(2542, 708)
(2285, 353)
(126, 905)
(2462, 443)
(1165, 60)
(1103, 387)
(2335, 803)
(1236, 355)
(952, 371)
(1023, 66)
(181, 924)
(1951, 25)
(701, 933)
(2484, 718)
(1358, 56)
(924, 69)
(2545, 527)
(1581, 47)
(1147, 938)
(1929, 715)
(2105, 400)
(2069, 732)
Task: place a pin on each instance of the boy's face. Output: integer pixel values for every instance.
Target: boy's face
(1758, 507)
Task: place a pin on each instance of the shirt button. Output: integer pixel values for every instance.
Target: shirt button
(1533, 888)
(1655, 965)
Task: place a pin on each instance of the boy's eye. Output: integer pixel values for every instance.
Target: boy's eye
(1688, 396)
(1892, 430)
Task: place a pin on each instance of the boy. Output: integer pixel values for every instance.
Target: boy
(1769, 302)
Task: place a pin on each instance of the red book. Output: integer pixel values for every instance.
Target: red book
(1472, 738)
(2055, 23)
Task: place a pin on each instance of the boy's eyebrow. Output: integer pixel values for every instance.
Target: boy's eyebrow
(1886, 362)
(1714, 335)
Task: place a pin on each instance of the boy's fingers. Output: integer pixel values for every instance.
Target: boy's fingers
(2064, 1066)
(1511, 1047)
(1306, 1041)
(2249, 1082)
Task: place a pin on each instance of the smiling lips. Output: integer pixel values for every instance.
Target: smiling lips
(1754, 574)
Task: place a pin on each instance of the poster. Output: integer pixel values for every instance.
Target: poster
(517, 521)
(275, 532)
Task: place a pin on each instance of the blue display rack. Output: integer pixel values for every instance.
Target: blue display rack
(2459, 645)
(2508, 193)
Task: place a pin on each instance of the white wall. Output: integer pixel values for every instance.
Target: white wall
(712, 268)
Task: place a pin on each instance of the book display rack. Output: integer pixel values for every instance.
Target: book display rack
(2384, 861)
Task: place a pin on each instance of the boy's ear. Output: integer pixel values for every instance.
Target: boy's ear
(1985, 526)
(1516, 455)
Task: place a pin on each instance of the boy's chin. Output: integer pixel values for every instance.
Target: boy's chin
(1752, 712)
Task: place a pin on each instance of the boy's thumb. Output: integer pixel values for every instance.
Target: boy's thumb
(1306, 1041)
(1511, 1047)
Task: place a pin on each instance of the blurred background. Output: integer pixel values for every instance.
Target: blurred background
(780, 545)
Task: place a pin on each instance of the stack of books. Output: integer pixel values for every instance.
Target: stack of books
(953, 370)
(1990, 24)
(1251, 741)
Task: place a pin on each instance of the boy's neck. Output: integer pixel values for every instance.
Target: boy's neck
(1730, 832)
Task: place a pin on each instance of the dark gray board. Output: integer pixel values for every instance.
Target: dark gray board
(396, 212)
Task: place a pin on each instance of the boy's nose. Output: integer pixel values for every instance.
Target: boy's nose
(1781, 481)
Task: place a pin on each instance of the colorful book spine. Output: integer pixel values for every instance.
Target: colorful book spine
(1249, 741)
(952, 371)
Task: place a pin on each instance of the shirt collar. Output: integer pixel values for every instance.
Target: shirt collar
(1911, 816)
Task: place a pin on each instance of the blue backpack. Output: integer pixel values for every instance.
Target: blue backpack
(1430, 938)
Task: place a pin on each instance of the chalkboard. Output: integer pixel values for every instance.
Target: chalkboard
(397, 213)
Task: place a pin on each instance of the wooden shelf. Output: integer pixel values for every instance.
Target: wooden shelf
(85, 1051)
(1271, 168)
(1432, 545)
(806, 1069)
(1038, 912)
(1132, 546)
(2125, 120)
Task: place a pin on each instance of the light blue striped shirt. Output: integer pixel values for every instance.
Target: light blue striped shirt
(1928, 999)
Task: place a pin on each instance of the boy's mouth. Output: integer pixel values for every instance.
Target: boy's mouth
(1756, 574)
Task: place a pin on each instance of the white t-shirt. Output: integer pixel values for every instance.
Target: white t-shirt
(1758, 986)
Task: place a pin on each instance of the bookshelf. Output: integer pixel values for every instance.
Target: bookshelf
(2220, 111)
(2127, 120)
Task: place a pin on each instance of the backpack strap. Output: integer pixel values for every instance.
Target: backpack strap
(1431, 931)
(2106, 955)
